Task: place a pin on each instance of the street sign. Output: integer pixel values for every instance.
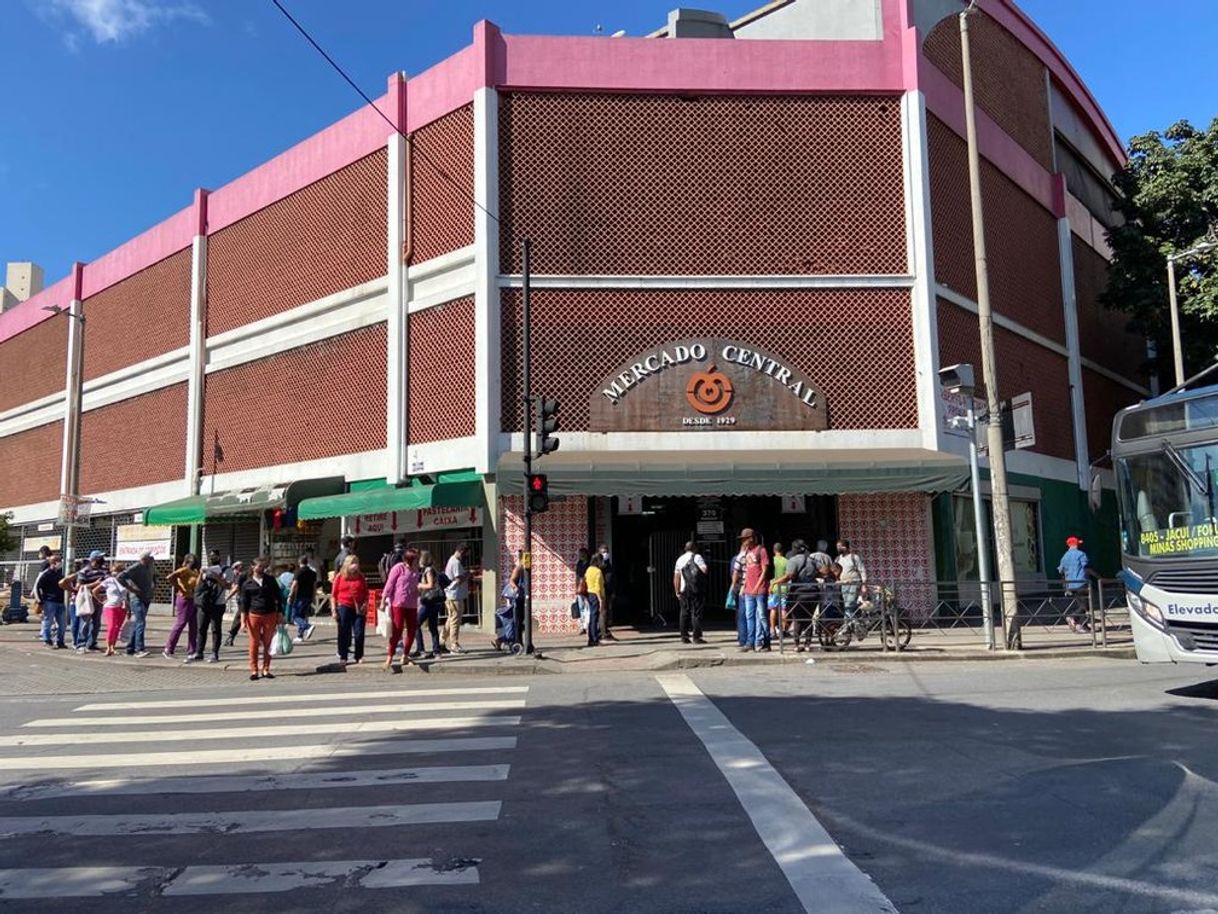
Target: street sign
(74, 511)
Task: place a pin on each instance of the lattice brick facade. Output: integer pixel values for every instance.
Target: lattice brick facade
(33, 364)
(1104, 335)
(143, 316)
(442, 185)
(659, 184)
(134, 442)
(1008, 78)
(1104, 398)
(323, 238)
(320, 400)
(856, 344)
(1023, 366)
(30, 464)
(442, 363)
(1021, 238)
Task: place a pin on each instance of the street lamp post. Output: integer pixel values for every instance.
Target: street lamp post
(959, 379)
(1177, 348)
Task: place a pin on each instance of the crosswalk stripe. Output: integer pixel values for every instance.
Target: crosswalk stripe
(441, 774)
(255, 878)
(275, 754)
(292, 699)
(250, 821)
(326, 710)
(347, 730)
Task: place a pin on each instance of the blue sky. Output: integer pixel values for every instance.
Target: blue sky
(114, 110)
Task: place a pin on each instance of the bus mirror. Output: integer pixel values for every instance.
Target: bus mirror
(1095, 491)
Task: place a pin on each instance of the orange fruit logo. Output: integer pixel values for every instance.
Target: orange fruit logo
(709, 391)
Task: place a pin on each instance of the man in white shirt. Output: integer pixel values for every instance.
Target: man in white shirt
(689, 579)
(455, 595)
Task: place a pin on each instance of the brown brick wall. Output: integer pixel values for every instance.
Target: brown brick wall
(1008, 79)
(1104, 398)
(1022, 366)
(145, 315)
(1020, 235)
(856, 345)
(321, 239)
(135, 442)
(1104, 336)
(30, 464)
(442, 361)
(713, 184)
(320, 400)
(34, 364)
(443, 185)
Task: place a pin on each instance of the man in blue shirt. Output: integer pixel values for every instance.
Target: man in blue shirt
(1075, 568)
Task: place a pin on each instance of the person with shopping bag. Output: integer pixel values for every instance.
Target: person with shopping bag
(262, 607)
(114, 596)
(402, 598)
(349, 598)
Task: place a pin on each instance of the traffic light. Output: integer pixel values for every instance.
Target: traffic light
(539, 493)
(547, 425)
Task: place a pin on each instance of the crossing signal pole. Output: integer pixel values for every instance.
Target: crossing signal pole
(540, 424)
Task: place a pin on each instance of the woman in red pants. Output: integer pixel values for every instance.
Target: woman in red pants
(402, 597)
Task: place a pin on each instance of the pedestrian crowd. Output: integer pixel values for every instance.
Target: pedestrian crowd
(417, 591)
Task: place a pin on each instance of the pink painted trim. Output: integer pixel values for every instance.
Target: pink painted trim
(444, 88)
(701, 65)
(141, 252)
(355, 136)
(29, 313)
(946, 102)
(1016, 21)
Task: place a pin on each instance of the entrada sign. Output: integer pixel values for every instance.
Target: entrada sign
(707, 384)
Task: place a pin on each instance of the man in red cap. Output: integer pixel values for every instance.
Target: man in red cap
(1075, 568)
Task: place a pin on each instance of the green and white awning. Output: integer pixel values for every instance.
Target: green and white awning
(461, 489)
(199, 509)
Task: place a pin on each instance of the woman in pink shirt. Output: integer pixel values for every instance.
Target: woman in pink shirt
(402, 597)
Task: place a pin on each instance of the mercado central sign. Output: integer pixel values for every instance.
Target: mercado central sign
(707, 384)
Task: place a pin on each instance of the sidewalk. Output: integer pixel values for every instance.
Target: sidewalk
(634, 650)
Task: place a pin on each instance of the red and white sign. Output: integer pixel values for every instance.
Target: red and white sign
(133, 540)
(415, 521)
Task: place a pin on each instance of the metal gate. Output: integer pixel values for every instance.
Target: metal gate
(239, 542)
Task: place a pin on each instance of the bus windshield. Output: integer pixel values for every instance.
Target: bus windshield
(1170, 502)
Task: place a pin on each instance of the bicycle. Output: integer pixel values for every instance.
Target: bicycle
(868, 616)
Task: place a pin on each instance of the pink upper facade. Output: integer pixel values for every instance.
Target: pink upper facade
(637, 65)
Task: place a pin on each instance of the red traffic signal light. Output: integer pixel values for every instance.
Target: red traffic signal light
(539, 492)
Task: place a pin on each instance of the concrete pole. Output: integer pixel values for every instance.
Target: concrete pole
(989, 370)
(1177, 348)
(983, 543)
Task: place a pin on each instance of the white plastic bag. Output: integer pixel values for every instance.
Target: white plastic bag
(585, 613)
(382, 622)
(84, 603)
(281, 642)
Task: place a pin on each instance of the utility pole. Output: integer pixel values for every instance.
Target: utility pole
(1177, 348)
(527, 404)
(989, 371)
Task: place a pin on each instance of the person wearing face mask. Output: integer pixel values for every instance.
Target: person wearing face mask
(853, 576)
(607, 602)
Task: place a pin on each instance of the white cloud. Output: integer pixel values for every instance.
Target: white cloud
(115, 21)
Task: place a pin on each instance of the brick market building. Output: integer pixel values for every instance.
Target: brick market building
(787, 199)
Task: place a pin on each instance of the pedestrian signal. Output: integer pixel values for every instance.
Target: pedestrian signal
(539, 493)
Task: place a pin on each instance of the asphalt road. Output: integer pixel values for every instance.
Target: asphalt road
(993, 787)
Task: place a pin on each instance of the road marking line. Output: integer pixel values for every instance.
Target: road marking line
(279, 714)
(246, 878)
(274, 754)
(250, 820)
(291, 699)
(821, 875)
(439, 774)
(346, 730)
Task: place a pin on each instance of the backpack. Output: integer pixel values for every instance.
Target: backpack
(693, 576)
(207, 592)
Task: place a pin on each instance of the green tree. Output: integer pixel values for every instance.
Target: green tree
(8, 536)
(1168, 197)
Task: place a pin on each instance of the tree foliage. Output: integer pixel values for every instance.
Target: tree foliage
(8, 536)
(1168, 197)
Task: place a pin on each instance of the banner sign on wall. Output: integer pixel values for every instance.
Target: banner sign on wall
(33, 543)
(133, 540)
(394, 522)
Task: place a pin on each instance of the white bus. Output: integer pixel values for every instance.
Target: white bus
(1165, 454)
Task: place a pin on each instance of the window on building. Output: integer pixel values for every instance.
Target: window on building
(1025, 538)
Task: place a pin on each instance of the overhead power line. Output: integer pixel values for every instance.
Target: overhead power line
(427, 159)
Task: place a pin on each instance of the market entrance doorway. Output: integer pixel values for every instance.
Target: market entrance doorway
(650, 533)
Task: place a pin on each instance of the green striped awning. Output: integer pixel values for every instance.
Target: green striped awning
(461, 489)
(199, 509)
